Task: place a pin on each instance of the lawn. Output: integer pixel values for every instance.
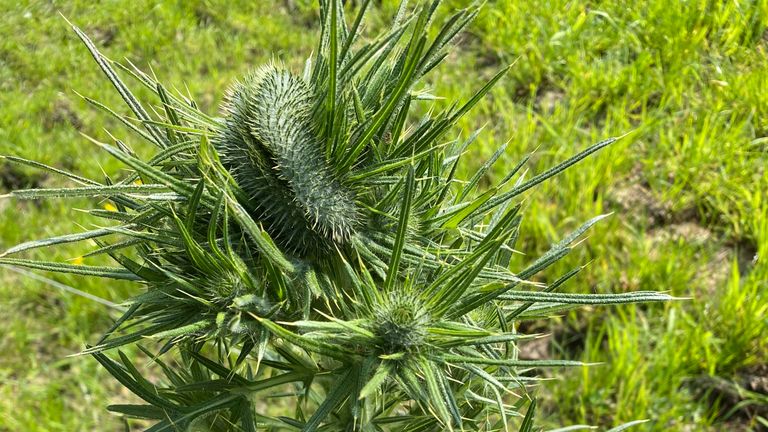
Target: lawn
(685, 81)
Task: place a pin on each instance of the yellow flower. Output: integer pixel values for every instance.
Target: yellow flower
(77, 261)
(110, 207)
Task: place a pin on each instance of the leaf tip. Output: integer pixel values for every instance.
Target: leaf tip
(604, 215)
(64, 17)
(624, 135)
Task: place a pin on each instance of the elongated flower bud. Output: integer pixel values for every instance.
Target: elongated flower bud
(270, 145)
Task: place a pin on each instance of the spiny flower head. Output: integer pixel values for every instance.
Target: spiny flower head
(270, 145)
(401, 323)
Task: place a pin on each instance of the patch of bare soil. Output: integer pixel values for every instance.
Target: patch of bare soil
(738, 402)
(302, 18)
(62, 114)
(560, 338)
(636, 200)
(665, 225)
(548, 99)
(714, 275)
(12, 178)
(104, 36)
(487, 61)
(205, 15)
(689, 232)
(536, 349)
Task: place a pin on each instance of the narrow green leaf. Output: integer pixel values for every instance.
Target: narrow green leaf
(333, 63)
(527, 425)
(193, 204)
(276, 380)
(260, 237)
(68, 238)
(376, 381)
(89, 191)
(475, 180)
(184, 330)
(449, 399)
(217, 368)
(511, 362)
(132, 337)
(392, 164)
(211, 405)
(105, 272)
(586, 299)
(436, 400)
(128, 314)
(122, 89)
(139, 411)
(485, 376)
(402, 230)
(555, 285)
(119, 373)
(340, 391)
(169, 113)
(155, 174)
(555, 253)
(352, 36)
(319, 347)
(464, 210)
(381, 117)
(44, 167)
(545, 175)
(573, 428)
(626, 426)
(479, 95)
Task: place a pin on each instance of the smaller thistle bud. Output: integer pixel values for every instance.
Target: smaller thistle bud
(225, 285)
(401, 323)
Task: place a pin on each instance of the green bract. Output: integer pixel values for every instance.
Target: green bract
(312, 249)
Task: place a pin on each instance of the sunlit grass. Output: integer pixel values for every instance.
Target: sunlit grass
(689, 82)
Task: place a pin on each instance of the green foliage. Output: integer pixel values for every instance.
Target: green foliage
(315, 240)
(685, 76)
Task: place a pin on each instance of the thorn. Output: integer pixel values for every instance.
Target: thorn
(93, 140)
(582, 240)
(626, 133)
(81, 95)
(68, 21)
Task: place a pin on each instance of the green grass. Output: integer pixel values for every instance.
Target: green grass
(688, 184)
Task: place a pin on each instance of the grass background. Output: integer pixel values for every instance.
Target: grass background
(688, 186)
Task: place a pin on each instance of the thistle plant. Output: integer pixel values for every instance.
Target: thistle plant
(308, 259)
